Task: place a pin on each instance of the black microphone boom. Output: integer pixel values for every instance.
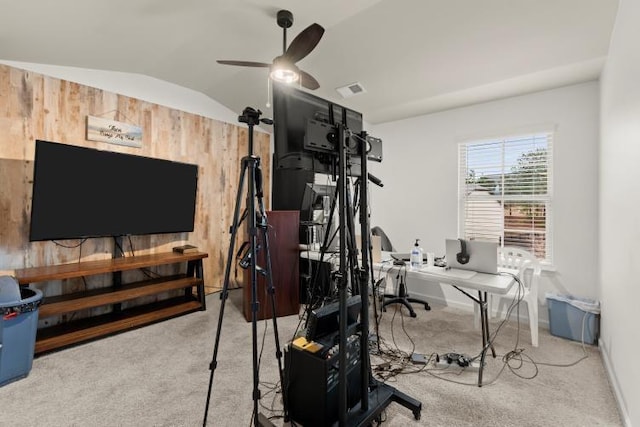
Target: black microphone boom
(374, 179)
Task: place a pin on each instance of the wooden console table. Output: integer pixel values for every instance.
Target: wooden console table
(118, 319)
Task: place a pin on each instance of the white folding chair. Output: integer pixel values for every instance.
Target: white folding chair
(529, 274)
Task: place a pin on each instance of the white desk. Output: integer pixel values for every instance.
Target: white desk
(483, 283)
(491, 283)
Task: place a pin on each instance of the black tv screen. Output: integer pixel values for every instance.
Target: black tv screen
(325, 320)
(293, 109)
(82, 192)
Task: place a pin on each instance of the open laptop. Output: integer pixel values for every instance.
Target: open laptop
(483, 255)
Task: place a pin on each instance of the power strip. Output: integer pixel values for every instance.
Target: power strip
(441, 363)
(473, 366)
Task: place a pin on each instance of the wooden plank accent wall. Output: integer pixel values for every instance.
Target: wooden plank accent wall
(33, 106)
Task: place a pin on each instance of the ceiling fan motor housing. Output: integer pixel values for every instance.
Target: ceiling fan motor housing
(285, 19)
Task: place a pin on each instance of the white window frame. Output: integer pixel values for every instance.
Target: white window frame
(547, 199)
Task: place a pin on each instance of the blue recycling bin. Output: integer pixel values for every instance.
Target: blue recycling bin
(575, 318)
(18, 327)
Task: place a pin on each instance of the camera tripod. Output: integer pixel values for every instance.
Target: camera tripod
(257, 220)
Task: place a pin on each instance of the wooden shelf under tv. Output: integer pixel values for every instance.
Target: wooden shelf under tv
(119, 319)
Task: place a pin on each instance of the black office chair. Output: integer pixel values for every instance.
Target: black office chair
(385, 243)
(403, 296)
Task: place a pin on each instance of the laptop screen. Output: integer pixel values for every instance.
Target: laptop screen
(483, 255)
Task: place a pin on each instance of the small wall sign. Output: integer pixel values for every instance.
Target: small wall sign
(105, 130)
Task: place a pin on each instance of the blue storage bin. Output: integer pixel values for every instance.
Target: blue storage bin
(18, 327)
(574, 318)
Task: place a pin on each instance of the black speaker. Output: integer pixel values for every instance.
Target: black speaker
(312, 384)
(462, 256)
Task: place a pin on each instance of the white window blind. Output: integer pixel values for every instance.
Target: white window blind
(505, 189)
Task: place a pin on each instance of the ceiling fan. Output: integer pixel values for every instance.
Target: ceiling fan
(283, 68)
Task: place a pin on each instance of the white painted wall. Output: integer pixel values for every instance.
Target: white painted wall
(137, 86)
(420, 173)
(620, 210)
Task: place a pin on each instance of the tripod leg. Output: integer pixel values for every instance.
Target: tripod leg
(225, 288)
(270, 288)
(251, 208)
(271, 291)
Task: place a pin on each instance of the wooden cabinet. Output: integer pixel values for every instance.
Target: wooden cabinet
(283, 233)
(117, 319)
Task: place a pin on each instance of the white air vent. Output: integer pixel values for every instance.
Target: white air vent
(350, 90)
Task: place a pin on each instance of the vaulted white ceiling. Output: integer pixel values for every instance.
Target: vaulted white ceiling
(411, 56)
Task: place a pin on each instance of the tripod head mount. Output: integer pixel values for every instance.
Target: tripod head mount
(251, 116)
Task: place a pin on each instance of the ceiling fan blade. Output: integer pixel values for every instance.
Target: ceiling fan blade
(304, 43)
(244, 63)
(308, 81)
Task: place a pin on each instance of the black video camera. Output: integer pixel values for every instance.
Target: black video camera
(250, 116)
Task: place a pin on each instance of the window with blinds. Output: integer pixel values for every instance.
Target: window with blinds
(505, 189)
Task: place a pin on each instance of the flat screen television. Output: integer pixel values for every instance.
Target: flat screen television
(81, 192)
(302, 120)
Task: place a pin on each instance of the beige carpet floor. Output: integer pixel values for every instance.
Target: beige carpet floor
(158, 376)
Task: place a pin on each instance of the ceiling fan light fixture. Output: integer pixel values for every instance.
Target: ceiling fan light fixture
(283, 68)
(284, 74)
